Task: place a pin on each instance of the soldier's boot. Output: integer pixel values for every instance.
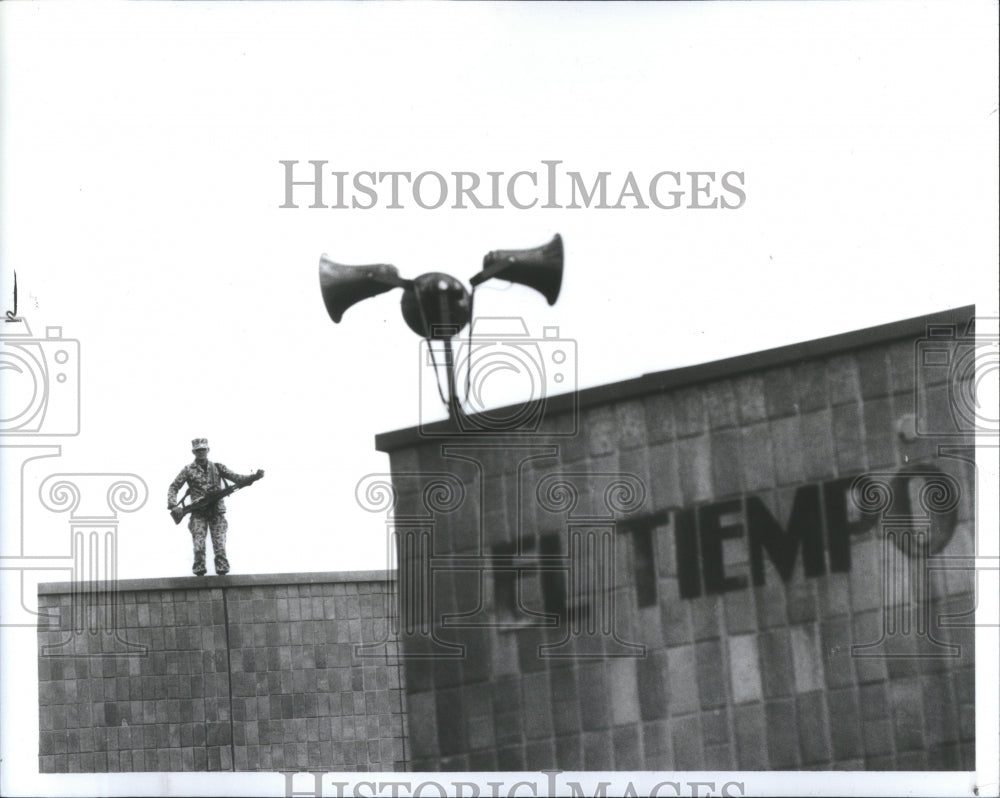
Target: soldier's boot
(221, 563)
(198, 525)
(219, 529)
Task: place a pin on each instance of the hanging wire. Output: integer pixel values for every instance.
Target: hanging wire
(437, 376)
(430, 344)
(468, 368)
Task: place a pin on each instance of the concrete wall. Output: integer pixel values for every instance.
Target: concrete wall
(680, 572)
(292, 671)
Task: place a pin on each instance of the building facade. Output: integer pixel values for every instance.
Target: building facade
(760, 563)
(275, 672)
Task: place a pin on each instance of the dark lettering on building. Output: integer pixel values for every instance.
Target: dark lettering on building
(815, 528)
(818, 529)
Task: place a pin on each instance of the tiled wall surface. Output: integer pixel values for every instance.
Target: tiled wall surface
(241, 673)
(753, 616)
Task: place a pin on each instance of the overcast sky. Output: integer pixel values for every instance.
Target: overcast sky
(140, 186)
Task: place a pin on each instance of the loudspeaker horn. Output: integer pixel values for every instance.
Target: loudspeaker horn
(540, 268)
(343, 286)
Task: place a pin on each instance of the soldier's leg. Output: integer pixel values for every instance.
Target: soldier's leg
(219, 528)
(199, 528)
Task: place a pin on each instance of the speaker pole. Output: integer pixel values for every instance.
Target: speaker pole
(454, 406)
(450, 329)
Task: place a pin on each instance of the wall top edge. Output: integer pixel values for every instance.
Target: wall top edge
(215, 582)
(672, 379)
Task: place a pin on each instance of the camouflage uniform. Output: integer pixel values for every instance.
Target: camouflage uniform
(200, 480)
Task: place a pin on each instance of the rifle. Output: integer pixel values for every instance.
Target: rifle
(178, 511)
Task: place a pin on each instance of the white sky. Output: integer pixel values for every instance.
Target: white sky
(140, 184)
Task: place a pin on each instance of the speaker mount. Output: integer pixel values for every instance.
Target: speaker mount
(437, 306)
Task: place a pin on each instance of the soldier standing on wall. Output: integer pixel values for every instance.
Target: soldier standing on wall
(202, 478)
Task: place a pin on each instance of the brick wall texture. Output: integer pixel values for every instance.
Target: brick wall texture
(694, 580)
(256, 674)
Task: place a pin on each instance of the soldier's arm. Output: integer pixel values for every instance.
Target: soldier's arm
(175, 486)
(229, 474)
(232, 476)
